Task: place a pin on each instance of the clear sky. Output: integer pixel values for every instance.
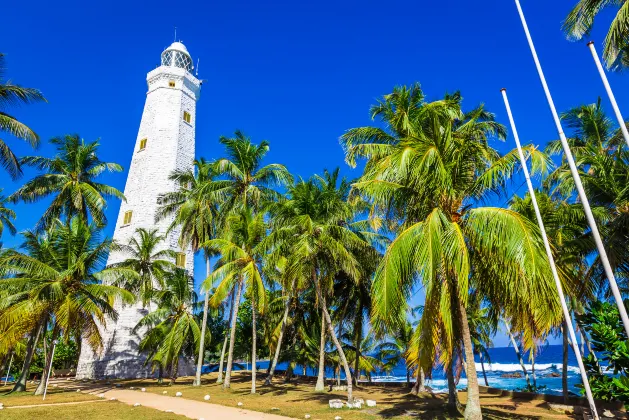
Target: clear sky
(295, 73)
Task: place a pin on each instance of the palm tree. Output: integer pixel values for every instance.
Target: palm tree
(172, 330)
(6, 216)
(71, 180)
(241, 263)
(195, 207)
(244, 183)
(601, 158)
(146, 264)
(323, 247)
(580, 21)
(58, 281)
(394, 350)
(425, 172)
(248, 184)
(14, 95)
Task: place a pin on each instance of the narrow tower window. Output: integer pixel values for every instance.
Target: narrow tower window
(127, 217)
(181, 260)
(171, 83)
(186, 116)
(142, 144)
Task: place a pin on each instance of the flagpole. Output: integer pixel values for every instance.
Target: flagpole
(608, 88)
(551, 260)
(577, 181)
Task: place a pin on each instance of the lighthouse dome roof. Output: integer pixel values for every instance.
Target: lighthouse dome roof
(177, 55)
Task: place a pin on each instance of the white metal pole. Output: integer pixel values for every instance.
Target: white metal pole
(608, 88)
(577, 181)
(52, 358)
(551, 260)
(6, 378)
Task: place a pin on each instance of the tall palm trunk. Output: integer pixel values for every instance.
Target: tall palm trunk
(472, 408)
(219, 379)
(253, 344)
(197, 378)
(533, 370)
(335, 340)
(320, 386)
(564, 370)
(269, 377)
(20, 384)
(453, 397)
(358, 337)
(232, 337)
(419, 382)
(482, 365)
(42, 383)
(516, 348)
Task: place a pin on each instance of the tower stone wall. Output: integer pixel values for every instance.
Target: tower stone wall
(165, 142)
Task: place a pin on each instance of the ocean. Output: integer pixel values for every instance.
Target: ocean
(503, 361)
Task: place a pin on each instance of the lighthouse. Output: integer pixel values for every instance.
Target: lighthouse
(165, 143)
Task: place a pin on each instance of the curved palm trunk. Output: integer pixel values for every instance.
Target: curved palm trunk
(269, 377)
(20, 384)
(219, 379)
(335, 340)
(472, 408)
(197, 378)
(482, 365)
(516, 348)
(253, 344)
(232, 337)
(564, 370)
(42, 383)
(320, 386)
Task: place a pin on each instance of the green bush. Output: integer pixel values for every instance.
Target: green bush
(609, 341)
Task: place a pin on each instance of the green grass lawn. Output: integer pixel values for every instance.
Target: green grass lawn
(105, 410)
(54, 395)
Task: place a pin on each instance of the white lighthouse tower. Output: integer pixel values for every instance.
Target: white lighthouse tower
(165, 142)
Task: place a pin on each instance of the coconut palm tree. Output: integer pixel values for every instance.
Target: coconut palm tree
(580, 22)
(172, 330)
(601, 158)
(14, 95)
(241, 263)
(146, 265)
(195, 211)
(426, 171)
(396, 348)
(70, 179)
(6, 215)
(245, 184)
(248, 183)
(57, 280)
(323, 247)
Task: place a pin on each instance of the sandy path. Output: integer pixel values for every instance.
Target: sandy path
(189, 408)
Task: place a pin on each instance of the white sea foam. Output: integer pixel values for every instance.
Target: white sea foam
(516, 367)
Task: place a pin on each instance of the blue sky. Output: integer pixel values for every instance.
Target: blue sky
(295, 73)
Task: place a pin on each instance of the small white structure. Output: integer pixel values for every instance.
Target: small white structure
(165, 142)
(178, 394)
(143, 390)
(336, 403)
(137, 404)
(240, 404)
(371, 403)
(206, 398)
